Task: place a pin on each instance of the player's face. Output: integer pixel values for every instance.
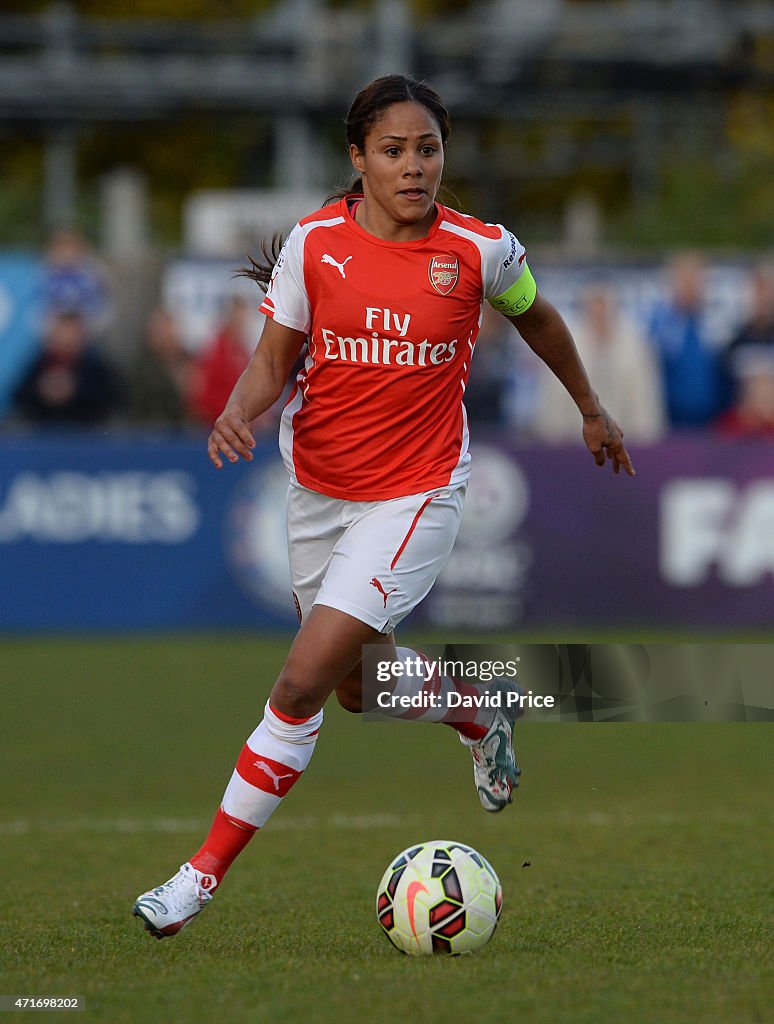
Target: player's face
(401, 167)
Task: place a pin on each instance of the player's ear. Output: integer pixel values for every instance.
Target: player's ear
(357, 158)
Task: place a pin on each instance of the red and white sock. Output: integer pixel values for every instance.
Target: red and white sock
(272, 760)
(424, 677)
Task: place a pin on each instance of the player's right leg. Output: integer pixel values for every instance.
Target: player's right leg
(327, 647)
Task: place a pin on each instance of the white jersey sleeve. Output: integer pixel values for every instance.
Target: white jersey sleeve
(287, 300)
(507, 281)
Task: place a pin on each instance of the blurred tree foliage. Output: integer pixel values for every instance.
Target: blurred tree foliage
(724, 200)
(195, 9)
(198, 151)
(21, 172)
(213, 9)
(716, 197)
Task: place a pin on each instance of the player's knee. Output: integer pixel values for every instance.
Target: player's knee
(350, 700)
(349, 692)
(293, 696)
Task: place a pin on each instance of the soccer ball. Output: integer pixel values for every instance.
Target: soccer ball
(439, 897)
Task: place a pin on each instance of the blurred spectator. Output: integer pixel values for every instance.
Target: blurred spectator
(159, 379)
(522, 389)
(750, 362)
(621, 366)
(691, 369)
(752, 414)
(485, 390)
(73, 280)
(218, 368)
(757, 333)
(502, 386)
(69, 381)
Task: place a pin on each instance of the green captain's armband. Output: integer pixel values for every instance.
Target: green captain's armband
(519, 296)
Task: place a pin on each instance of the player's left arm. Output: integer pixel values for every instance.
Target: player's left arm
(542, 327)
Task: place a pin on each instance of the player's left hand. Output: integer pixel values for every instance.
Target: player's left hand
(604, 439)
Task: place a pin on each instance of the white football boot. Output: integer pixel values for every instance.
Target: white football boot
(495, 771)
(168, 908)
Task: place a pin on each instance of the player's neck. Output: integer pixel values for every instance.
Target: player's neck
(377, 222)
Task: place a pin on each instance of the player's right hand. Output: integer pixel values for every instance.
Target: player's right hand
(231, 436)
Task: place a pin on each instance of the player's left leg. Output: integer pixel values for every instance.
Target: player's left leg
(382, 567)
(486, 730)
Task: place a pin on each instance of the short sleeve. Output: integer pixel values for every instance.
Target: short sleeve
(508, 282)
(287, 300)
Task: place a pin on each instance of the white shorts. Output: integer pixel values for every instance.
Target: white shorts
(375, 560)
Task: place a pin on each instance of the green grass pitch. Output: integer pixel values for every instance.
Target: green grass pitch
(636, 860)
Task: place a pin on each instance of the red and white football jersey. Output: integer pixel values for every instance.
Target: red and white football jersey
(377, 410)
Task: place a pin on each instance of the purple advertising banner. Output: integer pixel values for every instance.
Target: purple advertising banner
(548, 538)
(138, 532)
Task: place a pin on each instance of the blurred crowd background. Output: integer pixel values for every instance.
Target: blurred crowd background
(659, 368)
(148, 146)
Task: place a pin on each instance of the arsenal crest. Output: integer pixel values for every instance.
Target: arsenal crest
(444, 273)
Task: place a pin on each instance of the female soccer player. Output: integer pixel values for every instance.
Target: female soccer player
(386, 289)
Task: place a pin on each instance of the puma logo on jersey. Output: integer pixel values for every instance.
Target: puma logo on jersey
(272, 775)
(334, 263)
(385, 593)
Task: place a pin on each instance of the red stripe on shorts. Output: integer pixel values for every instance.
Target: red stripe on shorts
(411, 529)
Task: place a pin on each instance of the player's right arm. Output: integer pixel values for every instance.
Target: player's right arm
(259, 387)
(546, 333)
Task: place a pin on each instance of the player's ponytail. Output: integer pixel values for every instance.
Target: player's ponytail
(260, 270)
(353, 189)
